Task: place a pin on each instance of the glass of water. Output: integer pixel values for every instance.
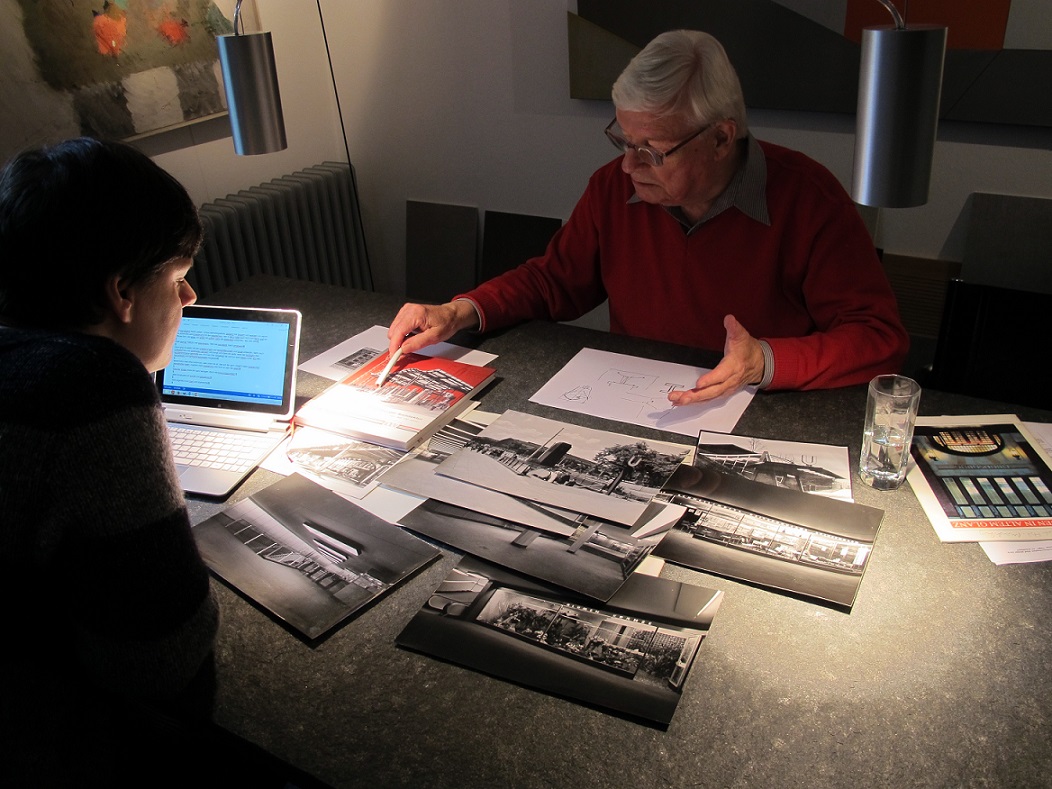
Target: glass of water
(891, 411)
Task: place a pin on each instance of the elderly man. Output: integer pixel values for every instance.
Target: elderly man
(701, 235)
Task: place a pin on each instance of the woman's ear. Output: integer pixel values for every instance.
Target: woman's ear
(119, 298)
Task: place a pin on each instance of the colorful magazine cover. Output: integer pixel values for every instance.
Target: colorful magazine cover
(982, 478)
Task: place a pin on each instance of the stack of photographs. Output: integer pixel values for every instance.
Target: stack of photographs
(564, 504)
(555, 519)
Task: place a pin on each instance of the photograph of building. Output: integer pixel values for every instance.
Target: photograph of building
(595, 472)
(632, 655)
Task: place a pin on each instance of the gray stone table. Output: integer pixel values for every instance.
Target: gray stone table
(938, 677)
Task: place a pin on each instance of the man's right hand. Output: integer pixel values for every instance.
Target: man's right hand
(418, 325)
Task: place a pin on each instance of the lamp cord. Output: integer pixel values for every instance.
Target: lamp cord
(367, 274)
(895, 15)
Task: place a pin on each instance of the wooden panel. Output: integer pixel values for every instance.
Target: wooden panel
(920, 287)
(441, 249)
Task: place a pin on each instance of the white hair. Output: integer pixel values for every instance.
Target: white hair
(683, 72)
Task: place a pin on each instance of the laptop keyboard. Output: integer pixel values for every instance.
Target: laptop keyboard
(218, 449)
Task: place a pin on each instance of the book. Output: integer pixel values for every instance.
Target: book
(307, 555)
(982, 477)
(419, 396)
(632, 655)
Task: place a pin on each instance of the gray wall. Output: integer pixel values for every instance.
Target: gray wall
(467, 102)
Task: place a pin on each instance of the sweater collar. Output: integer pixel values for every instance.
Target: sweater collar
(747, 191)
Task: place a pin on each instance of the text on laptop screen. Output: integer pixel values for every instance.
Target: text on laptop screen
(231, 358)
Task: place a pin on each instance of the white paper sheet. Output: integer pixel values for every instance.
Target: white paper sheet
(1034, 550)
(635, 390)
(1018, 552)
(334, 363)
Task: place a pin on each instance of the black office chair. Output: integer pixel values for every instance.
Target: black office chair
(511, 239)
(994, 343)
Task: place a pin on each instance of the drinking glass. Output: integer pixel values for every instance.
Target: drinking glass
(891, 411)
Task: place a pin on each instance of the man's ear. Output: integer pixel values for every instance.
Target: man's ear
(119, 298)
(725, 134)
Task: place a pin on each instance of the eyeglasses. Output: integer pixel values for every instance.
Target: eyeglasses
(651, 156)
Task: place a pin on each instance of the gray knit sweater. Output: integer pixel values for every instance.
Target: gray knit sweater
(104, 591)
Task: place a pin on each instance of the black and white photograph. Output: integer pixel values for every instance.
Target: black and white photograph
(307, 555)
(594, 559)
(594, 472)
(357, 360)
(632, 655)
(416, 475)
(345, 465)
(820, 469)
(582, 553)
(783, 539)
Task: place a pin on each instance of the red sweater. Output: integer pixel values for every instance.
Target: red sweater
(810, 284)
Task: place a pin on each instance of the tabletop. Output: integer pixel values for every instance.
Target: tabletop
(938, 676)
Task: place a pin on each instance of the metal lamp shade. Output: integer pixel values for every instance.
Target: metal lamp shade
(250, 78)
(899, 83)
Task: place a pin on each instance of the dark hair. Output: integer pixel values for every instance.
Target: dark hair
(74, 214)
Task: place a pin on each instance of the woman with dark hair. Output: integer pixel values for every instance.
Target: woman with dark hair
(107, 594)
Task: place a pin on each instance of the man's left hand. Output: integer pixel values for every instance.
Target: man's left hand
(742, 364)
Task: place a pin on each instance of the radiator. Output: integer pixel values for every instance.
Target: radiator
(305, 225)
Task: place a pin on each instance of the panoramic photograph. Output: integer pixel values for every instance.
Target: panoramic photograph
(594, 559)
(812, 546)
(595, 472)
(632, 655)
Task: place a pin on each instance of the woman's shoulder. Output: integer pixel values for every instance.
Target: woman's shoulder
(67, 373)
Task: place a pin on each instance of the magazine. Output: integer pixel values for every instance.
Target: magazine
(309, 556)
(982, 478)
(420, 394)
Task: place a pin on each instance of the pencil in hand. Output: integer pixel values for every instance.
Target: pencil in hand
(387, 368)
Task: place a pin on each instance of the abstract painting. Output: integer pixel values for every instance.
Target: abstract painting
(124, 68)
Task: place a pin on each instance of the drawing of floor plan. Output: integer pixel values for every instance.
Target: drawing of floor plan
(635, 390)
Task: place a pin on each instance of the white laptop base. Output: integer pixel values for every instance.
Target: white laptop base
(213, 461)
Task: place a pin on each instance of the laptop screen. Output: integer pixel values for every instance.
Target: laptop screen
(234, 358)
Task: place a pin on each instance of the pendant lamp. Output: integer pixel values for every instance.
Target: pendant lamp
(899, 85)
(250, 78)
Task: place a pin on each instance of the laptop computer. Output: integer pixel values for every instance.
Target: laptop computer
(231, 387)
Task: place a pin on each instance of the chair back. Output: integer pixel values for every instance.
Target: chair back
(994, 343)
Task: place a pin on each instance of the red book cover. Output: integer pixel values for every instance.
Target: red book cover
(418, 396)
